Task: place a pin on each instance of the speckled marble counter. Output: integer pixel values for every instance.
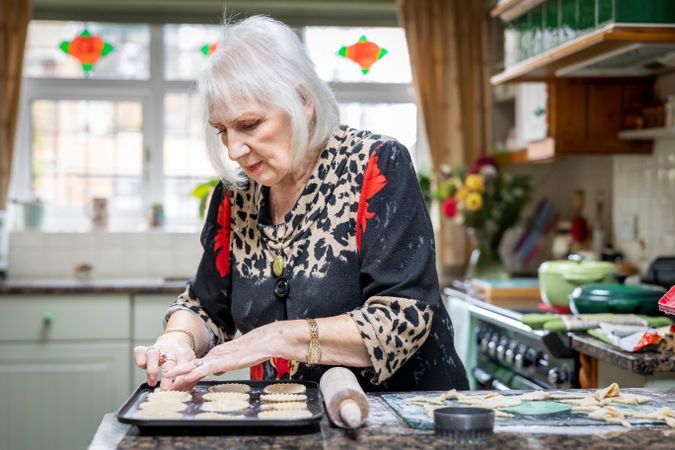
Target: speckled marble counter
(385, 430)
(640, 363)
(111, 286)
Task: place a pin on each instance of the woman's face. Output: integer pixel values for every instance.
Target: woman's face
(258, 138)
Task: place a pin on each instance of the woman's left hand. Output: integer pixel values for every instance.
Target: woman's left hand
(247, 350)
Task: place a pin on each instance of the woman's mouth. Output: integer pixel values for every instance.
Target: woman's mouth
(254, 167)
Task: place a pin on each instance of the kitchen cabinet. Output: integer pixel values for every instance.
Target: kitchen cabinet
(551, 38)
(568, 116)
(64, 363)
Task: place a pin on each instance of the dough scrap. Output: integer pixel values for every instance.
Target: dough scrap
(283, 398)
(534, 395)
(225, 406)
(610, 414)
(174, 406)
(231, 387)
(179, 396)
(631, 399)
(419, 399)
(216, 416)
(214, 396)
(284, 414)
(285, 388)
(494, 402)
(283, 405)
(610, 391)
(666, 414)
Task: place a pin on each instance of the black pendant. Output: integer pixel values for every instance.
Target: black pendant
(281, 288)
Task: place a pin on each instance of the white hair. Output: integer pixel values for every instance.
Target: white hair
(262, 60)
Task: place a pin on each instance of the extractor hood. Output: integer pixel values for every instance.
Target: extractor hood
(634, 60)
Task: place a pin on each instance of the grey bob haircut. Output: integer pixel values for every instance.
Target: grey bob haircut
(262, 60)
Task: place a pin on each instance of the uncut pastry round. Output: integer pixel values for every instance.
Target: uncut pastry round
(157, 414)
(163, 406)
(294, 406)
(179, 396)
(231, 387)
(283, 398)
(217, 416)
(285, 388)
(225, 406)
(284, 414)
(215, 396)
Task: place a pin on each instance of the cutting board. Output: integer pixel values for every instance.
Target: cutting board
(544, 413)
(514, 292)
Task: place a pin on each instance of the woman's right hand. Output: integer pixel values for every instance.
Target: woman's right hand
(177, 350)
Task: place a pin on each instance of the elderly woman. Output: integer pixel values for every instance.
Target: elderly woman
(321, 252)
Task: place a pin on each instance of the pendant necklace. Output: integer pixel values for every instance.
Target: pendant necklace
(281, 285)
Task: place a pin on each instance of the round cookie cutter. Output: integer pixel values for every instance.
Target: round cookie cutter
(464, 424)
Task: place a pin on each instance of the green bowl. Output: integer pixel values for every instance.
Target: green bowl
(616, 299)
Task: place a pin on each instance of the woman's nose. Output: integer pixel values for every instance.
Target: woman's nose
(237, 150)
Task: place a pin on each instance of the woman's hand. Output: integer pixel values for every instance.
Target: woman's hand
(248, 350)
(175, 349)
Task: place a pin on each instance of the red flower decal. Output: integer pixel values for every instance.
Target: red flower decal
(256, 371)
(222, 241)
(373, 182)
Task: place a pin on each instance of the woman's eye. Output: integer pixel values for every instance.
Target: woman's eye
(249, 125)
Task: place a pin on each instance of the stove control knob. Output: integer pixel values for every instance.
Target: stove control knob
(523, 359)
(557, 376)
(501, 348)
(509, 356)
(484, 344)
(492, 348)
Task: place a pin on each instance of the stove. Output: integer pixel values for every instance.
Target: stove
(511, 355)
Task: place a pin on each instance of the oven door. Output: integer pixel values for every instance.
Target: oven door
(491, 376)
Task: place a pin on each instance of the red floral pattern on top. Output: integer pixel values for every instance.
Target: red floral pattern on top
(256, 372)
(222, 240)
(373, 182)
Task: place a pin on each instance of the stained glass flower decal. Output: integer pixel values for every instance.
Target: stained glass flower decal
(87, 49)
(364, 52)
(209, 48)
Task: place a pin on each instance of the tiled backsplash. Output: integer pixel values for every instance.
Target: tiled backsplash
(644, 188)
(34, 254)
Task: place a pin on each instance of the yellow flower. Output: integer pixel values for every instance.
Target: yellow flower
(475, 183)
(461, 194)
(473, 202)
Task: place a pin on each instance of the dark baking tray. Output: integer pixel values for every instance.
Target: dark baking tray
(314, 403)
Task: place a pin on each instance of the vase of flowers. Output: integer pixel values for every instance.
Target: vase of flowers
(487, 201)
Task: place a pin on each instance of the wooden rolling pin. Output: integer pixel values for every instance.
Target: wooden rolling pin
(346, 403)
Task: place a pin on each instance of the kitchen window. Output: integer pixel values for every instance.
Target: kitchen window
(128, 129)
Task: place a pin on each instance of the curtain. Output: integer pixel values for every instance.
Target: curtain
(447, 42)
(14, 18)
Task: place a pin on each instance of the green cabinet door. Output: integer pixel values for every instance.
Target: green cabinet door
(53, 395)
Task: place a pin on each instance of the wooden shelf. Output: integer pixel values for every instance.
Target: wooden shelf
(510, 9)
(608, 39)
(647, 133)
(513, 157)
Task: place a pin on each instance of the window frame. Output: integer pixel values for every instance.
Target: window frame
(151, 93)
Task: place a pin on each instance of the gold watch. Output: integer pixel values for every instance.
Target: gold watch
(314, 349)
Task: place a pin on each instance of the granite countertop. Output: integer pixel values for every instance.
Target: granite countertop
(385, 430)
(105, 286)
(647, 363)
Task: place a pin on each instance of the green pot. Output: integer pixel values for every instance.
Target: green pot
(557, 279)
(617, 298)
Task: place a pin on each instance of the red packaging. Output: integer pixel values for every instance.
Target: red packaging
(667, 302)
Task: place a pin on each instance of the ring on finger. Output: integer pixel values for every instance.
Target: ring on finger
(164, 358)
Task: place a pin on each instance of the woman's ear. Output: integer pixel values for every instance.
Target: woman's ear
(307, 103)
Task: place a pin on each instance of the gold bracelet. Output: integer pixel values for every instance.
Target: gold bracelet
(314, 349)
(189, 334)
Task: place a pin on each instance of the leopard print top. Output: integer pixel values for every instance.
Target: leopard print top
(358, 241)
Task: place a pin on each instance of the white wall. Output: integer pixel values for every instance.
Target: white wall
(34, 254)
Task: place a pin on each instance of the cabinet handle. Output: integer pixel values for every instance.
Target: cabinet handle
(47, 318)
